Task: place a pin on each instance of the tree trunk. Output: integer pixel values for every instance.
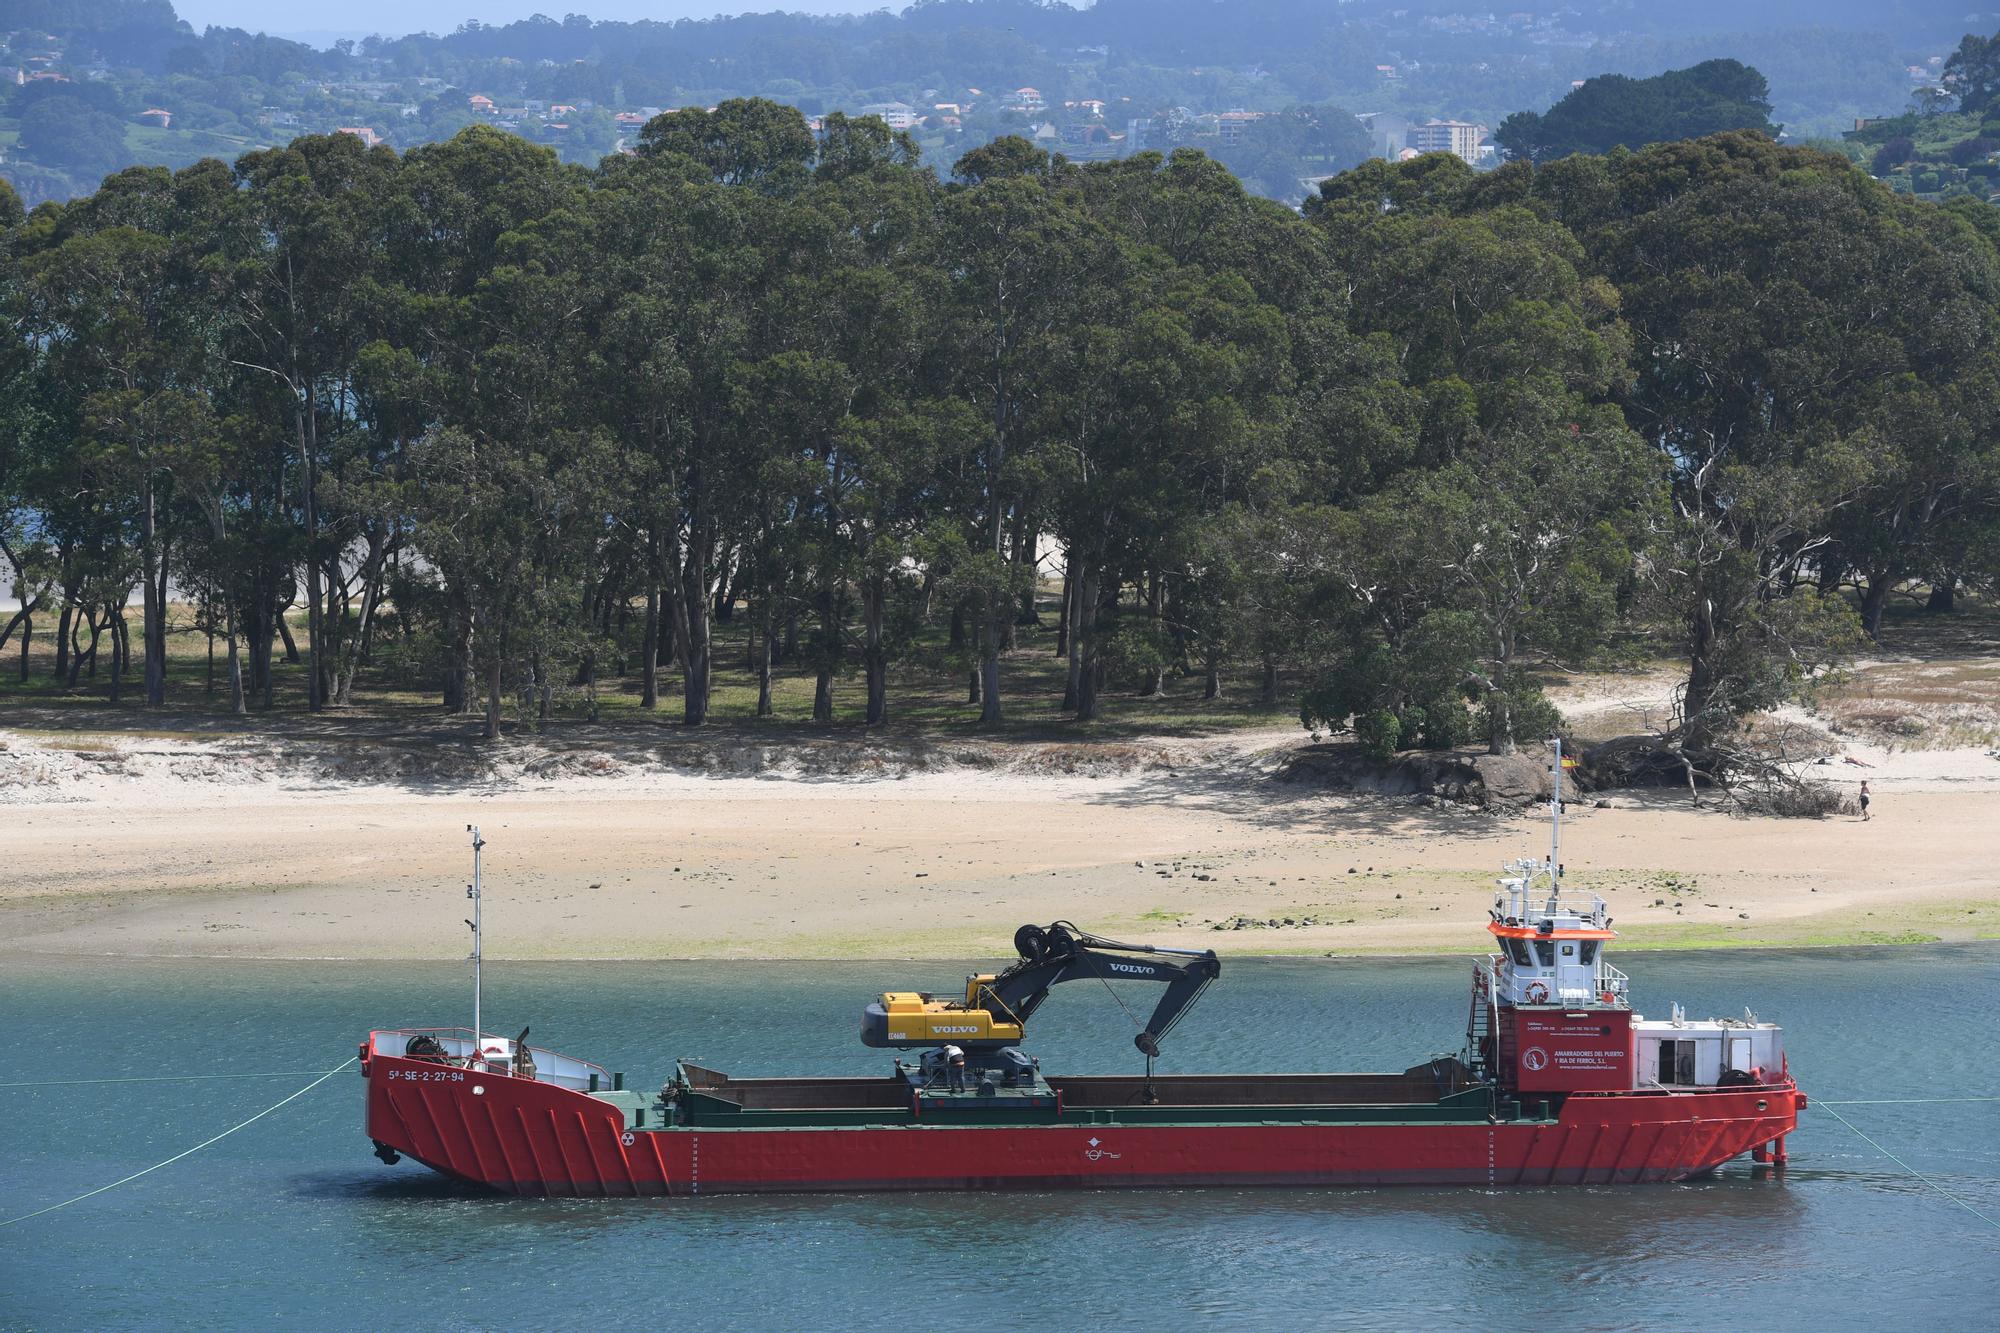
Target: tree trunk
(20, 617)
(458, 666)
(1267, 688)
(1699, 697)
(1082, 593)
(1062, 621)
(1086, 663)
(874, 650)
(492, 731)
(87, 656)
(763, 634)
(113, 623)
(208, 683)
(828, 652)
(693, 602)
(285, 632)
(1500, 723)
(1943, 594)
(1211, 676)
(27, 634)
(1154, 686)
(152, 622)
(1025, 542)
(315, 633)
(236, 705)
(725, 594)
(956, 641)
(649, 651)
(1873, 599)
(63, 620)
(990, 638)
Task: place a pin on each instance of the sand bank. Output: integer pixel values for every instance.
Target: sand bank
(161, 848)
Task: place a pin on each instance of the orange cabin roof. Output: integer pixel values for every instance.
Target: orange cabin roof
(1532, 933)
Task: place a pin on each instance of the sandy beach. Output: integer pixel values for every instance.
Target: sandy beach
(192, 847)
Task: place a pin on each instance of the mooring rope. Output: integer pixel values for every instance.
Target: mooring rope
(159, 1078)
(189, 1152)
(1911, 1169)
(1900, 1101)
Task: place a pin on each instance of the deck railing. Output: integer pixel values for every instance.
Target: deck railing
(461, 1052)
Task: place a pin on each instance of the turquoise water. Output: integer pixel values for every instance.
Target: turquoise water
(292, 1222)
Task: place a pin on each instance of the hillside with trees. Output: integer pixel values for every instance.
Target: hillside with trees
(1947, 142)
(1613, 111)
(515, 433)
(130, 83)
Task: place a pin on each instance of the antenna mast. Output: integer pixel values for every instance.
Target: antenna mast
(1556, 823)
(472, 892)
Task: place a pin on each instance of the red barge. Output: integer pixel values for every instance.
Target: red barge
(1559, 1082)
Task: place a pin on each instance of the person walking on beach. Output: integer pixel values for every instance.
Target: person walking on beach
(1864, 800)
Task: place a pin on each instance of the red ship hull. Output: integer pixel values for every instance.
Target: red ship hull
(536, 1138)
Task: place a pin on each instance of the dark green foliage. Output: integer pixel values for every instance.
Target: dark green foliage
(71, 134)
(1972, 73)
(1613, 111)
(475, 421)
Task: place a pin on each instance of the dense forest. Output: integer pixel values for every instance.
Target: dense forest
(503, 427)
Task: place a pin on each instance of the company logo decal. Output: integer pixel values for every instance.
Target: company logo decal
(1534, 1058)
(1096, 1153)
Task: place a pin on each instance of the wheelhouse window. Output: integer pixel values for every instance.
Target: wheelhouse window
(1545, 952)
(1589, 954)
(1517, 949)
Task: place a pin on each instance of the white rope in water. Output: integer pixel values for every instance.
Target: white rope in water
(189, 1153)
(1901, 1101)
(158, 1078)
(1911, 1169)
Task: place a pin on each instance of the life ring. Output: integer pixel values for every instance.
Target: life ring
(1537, 993)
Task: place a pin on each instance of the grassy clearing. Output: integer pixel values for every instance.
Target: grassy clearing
(927, 694)
(1937, 688)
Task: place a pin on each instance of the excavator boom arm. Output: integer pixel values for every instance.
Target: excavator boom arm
(1063, 953)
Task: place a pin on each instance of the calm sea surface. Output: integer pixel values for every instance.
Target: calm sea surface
(293, 1223)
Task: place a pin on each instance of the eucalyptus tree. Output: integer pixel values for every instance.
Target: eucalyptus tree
(1014, 226)
(687, 315)
(1782, 306)
(1529, 495)
(310, 234)
(110, 290)
(849, 310)
(475, 311)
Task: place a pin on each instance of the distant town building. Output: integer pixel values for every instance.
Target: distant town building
(1230, 125)
(896, 115)
(1458, 137)
(481, 104)
(369, 138)
(1029, 97)
(155, 116)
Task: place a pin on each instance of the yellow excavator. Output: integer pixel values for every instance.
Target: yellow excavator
(994, 1014)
